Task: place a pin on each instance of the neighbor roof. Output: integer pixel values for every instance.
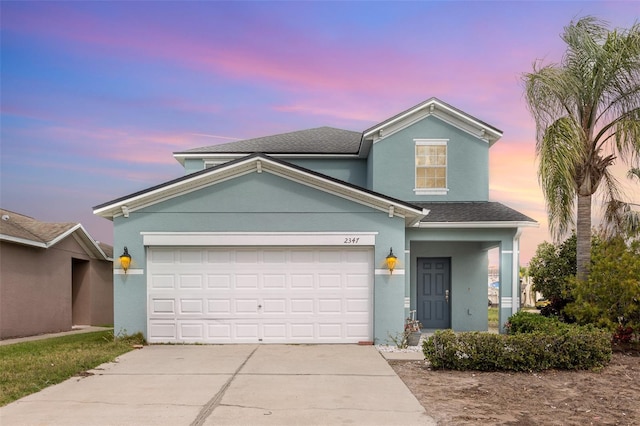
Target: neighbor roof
(21, 229)
(461, 213)
(321, 140)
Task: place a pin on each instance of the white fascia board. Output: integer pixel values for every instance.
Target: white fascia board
(416, 221)
(397, 119)
(78, 232)
(494, 224)
(84, 239)
(224, 157)
(203, 239)
(22, 241)
(159, 196)
(469, 119)
(344, 191)
(166, 192)
(456, 119)
(90, 244)
(223, 173)
(64, 235)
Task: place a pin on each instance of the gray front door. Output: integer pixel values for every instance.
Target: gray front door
(434, 292)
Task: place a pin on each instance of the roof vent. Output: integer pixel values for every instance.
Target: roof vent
(5, 217)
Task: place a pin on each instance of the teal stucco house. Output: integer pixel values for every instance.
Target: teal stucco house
(285, 238)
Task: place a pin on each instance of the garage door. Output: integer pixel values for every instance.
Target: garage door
(260, 294)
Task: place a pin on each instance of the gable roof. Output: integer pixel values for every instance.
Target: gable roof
(330, 141)
(259, 163)
(476, 214)
(321, 140)
(20, 229)
(443, 111)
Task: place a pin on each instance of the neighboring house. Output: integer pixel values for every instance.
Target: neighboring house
(284, 238)
(52, 276)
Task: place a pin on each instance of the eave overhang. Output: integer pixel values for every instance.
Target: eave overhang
(77, 232)
(439, 109)
(260, 163)
(224, 157)
(479, 224)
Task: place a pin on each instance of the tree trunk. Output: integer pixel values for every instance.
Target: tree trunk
(583, 237)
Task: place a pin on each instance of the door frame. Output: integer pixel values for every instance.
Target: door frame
(448, 285)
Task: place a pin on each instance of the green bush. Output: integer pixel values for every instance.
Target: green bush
(611, 296)
(569, 347)
(527, 322)
(550, 269)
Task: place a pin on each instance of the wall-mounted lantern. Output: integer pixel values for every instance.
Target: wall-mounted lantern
(391, 260)
(125, 260)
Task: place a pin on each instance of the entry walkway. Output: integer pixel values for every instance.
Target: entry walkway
(229, 385)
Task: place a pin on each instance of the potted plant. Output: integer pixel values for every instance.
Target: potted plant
(412, 329)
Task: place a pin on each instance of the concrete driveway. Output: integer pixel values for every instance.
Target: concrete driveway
(229, 385)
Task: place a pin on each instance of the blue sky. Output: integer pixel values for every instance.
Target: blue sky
(96, 96)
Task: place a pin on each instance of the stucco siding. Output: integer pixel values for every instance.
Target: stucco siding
(469, 266)
(393, 163)
(348, 170)
(101, 276)
(36, 294)
(192, 165)
(257, 202)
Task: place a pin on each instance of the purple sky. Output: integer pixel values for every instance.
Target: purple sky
(96, 96)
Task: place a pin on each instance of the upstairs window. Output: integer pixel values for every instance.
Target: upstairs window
(431, 167)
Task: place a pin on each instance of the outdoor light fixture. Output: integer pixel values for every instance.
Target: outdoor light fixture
(391, 259)
(125, 260)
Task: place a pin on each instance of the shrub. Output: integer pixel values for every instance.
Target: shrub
(554, 345)
(526, 322)
(550, 269)
(611, 296)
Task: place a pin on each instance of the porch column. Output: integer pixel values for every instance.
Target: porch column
(407, 281)
(509, 279)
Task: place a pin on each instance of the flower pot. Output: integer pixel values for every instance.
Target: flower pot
(414, 338)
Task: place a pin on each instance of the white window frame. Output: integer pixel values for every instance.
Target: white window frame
(430, 191)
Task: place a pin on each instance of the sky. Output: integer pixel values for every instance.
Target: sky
(95, 97)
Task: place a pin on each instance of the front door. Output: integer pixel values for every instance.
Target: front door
(434, 292)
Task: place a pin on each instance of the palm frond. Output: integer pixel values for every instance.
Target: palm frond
(558, 155)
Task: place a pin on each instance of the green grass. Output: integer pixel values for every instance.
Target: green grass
(29, 367)
(493, 317)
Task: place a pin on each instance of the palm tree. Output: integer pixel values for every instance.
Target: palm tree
(624, 218)
(587, 114)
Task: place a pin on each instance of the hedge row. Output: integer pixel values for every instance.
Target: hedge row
(567, 347)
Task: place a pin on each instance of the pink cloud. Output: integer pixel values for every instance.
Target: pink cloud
(305, 61)
(128, 146)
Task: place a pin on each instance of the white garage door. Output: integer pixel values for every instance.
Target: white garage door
(260, 294)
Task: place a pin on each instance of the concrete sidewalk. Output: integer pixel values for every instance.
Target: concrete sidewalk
(79, 329)
(229, 385)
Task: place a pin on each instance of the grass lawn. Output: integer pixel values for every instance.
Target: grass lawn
(493, 318)
(29, 367)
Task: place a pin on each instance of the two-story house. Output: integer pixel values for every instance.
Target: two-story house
(286, 238)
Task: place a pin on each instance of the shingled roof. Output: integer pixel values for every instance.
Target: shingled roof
(21, 229)
(27, 228)
(321, 140)
(480, 211)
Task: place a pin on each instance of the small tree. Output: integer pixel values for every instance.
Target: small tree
(550, 269)
(611, 296)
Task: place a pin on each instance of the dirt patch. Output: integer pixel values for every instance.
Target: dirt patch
(610, 396)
